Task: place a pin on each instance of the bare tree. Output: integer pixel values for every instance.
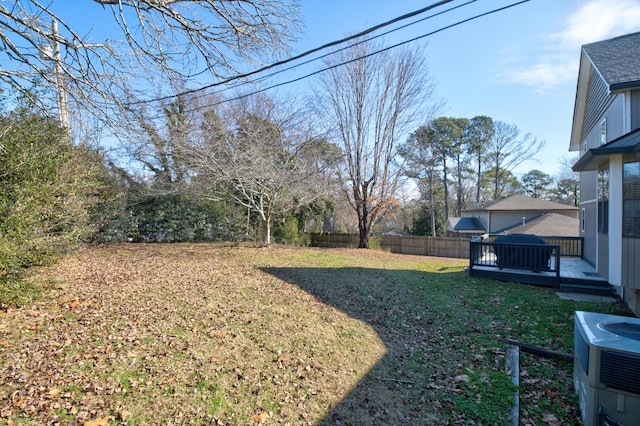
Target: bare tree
(568, 182)
(370, 102)
(157, 40)
(252, 153)
(506, 151)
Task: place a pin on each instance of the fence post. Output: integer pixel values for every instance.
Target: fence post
(558, 267)
(472, 250)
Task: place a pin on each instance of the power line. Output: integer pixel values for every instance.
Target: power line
(339, 50)
(302, 55)
(361, 57)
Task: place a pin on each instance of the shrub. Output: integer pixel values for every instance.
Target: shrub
(47, 186)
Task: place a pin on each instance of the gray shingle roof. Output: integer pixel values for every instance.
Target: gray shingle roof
(617, 60)
(549, 225)
(469, 224)
(625, 144)
(519, 202)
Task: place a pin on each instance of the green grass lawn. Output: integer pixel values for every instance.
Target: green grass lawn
(199, 334)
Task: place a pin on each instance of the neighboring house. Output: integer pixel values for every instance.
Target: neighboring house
(517, 214)
(606, 132)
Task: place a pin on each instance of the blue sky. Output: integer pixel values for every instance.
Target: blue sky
(519, 66)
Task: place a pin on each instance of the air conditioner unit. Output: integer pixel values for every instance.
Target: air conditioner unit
(606, 368)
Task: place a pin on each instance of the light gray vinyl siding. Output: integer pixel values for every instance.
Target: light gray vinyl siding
(588, 192)
(630, 266)
(598, 100)
(614, 115)
(588, 185)
(501, 221)
(635, 110)
(603, 255)
(615, 119)
(631, 246)
(589, 252)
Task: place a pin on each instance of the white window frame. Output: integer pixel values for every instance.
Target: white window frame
(603, 131)
(583, 213)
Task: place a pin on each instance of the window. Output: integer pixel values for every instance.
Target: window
(631, 200)
(584, 146)
(603, 132)
(603, 200)
(583, 213)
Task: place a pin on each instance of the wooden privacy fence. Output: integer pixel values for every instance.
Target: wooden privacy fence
(422, 246)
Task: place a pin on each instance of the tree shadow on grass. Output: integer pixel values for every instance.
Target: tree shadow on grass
(412, 313)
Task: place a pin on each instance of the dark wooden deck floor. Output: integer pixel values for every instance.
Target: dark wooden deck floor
(575, 274)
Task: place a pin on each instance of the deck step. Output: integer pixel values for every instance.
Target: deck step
(595, 288)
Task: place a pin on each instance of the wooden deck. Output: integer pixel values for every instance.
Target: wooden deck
(575, 275)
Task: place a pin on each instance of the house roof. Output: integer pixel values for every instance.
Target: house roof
(617, 62)
(625, 144)
(519, 202)
(550, 224)
(471, 224)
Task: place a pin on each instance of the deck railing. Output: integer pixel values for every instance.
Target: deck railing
(518, 256)
(569, 246)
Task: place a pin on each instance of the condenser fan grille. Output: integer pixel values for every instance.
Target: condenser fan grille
(620, 371)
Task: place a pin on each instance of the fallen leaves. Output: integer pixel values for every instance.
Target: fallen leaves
(461, 378)
(260, 418)
(210, 334)
(550, 419)
(149, 328)
(103, 421)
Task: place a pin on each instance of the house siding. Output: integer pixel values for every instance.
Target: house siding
(616, 258)
(598, 101)
(614, 114)
(635, 110)
(603, 256)
(597, 245)
(588, 195)
(630, 266)
(631, 273)
(590, 224)
(630, 255)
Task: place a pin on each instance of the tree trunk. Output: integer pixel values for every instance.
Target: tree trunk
(459, 188)
(431, 209)
(363, 226)
(446, 188)
(266, 232)
(496, 184)
(364, 238)
(479, 181)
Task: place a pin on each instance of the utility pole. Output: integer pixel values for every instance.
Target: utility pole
(63, 108)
